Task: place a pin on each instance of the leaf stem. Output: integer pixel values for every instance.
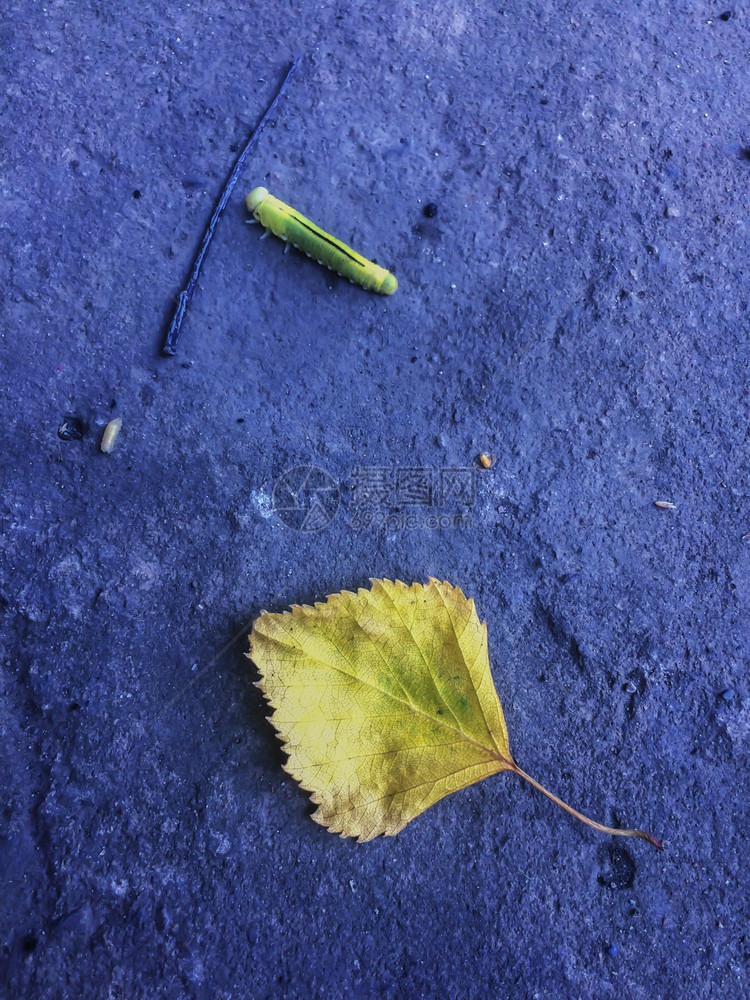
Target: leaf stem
(584, 819)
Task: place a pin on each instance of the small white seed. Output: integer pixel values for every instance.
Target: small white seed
(665, 505)
(110, 435)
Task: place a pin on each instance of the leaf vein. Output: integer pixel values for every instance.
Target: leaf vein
(332, 666)
(468, 671)
(424, 659)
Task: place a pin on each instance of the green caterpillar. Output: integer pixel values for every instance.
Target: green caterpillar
(284, 221)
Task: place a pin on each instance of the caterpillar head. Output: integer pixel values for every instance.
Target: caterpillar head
(388, 285)
(255, 197)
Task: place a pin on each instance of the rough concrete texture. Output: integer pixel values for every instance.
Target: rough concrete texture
(577, 307)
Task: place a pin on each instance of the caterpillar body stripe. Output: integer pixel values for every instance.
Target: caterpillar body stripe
(291, 226)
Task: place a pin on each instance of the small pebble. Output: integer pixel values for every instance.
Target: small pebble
(728, 694)
(725, 16)
(612, 950)
(71, 429)
(110, 435)
(629, 688)
(430, 210)
(672, 212)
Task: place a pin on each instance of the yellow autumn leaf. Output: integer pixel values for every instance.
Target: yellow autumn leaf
(385, 703)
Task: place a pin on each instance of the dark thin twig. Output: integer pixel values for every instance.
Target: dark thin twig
(170, 341)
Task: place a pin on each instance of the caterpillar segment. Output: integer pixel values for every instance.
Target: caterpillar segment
(292, 227)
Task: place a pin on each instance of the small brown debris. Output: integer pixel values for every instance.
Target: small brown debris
(485, 461)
